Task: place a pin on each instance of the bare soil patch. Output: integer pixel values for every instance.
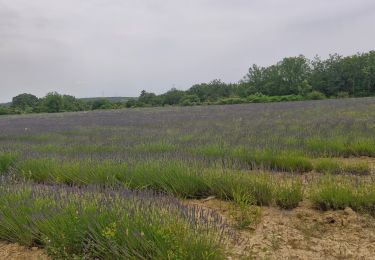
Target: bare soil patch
(302, 233)
(17, 252)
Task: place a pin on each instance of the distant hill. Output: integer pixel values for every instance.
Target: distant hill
(110, 99)
(6, 104)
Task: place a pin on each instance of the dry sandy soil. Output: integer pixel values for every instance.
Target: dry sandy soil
(302, 233)
(17, 252)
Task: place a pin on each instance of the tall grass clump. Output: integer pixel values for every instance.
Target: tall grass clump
(106, 224)
(332, 166)
(229, 185)
(82, 172)
(211, 150)
(168, 176)
(283, 161)
(341, 146)
(333, 192)
(363, 147)
(6, 161)
(328, 166)
(288, 194)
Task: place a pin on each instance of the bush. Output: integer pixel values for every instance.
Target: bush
(231, 101)
(101, 103)
(4, 110)
(342, 94)
(315, 95)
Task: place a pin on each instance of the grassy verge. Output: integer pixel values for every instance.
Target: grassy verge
(94, 223)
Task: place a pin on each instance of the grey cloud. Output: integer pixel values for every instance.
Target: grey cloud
(118, 47)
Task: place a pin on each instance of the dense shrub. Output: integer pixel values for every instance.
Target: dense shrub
(315, 95)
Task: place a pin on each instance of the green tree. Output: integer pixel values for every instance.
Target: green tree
(24, 101)
(173, 96)
(4, 110)
(70, 103)
(101, 103)
(53, 102)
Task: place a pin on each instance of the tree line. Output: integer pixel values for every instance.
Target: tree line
(291, 79)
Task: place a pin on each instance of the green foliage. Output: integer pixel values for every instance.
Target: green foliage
(245, 212)
(339, 193)
(53, 102)
(315, 95)
(168, 176)
(328, 166)
(341, 146)
(70, 103)
(289, 162)
(6, 161)
(24, 101)
(190, 100)
(172, 177)
(336, 167)
(173, 97)
(331, 193)
(73, 223)
(358, 168)
(291, 79)
(342, 94)
(157, 147)
(4, 110)
(289, 194)
(254, 188)
(101, 104)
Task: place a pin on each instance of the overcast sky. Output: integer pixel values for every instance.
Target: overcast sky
(119, 47)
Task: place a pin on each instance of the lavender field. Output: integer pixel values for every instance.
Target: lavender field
(123, 176)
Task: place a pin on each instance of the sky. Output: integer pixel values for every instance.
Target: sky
(90, 48)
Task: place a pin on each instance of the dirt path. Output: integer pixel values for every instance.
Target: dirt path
(303, 233)
(17, 252)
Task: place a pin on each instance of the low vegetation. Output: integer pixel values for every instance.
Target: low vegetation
(6, 161)
(339, 167)
(339, 193)
(72, 222)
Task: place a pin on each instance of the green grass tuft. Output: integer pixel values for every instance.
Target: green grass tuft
(337, 167)
(6, 161)
(289, 194)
